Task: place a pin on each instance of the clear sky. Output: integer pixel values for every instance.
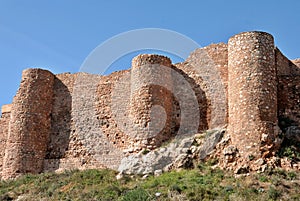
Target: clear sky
(59, 34)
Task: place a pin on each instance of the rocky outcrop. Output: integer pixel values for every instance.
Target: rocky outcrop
(179, 153)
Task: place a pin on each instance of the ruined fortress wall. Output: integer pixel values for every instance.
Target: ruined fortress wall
(208, 68)
(89, 128)
(61, 127)
(151, 98)
(288, 91)
(112, 108)
(61, 116)
(80, 121)
(4, 124)
(91, 143)
(197, 84)
(65, 149)
(289, 100)
(73, 122)
(252, 92)
(219, 55)
(285, 67)
(84, 134)
(282, 63)
(30, 122)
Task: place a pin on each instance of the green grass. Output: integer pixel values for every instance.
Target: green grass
(290, 150)
(201, 183)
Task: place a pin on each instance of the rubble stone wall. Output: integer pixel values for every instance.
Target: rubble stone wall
(289, 100)
(4, 123)
(208, 68)
(80, 121)
(30, 123)
(151, 98)
(288, 91)
(252, 93)
(60, 116)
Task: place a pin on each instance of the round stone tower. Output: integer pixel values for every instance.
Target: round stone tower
(151, 99)
(252, 97)
(29, 127)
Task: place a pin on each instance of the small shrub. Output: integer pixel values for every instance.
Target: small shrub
(291, 175)
(273, 193)
(251, 157)
(175, 187)
(289, 149)
(263, 178)
(145, 151)
(138, 194)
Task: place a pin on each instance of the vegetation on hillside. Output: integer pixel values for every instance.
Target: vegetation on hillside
(202, 183)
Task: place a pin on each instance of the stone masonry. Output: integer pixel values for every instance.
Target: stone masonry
(252, 93)
(29, 125)
(80, 121)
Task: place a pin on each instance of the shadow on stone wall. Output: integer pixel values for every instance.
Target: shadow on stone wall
(203, 102)
(60, 125)
(288, 92)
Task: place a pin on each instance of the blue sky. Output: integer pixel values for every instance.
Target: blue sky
(59, 34)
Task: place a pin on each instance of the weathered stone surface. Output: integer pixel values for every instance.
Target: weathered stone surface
(80, 121)
(252, 87)
(212, 138)
(158, 172)
(30, 123)
(177, 154)
(4, 124)
(208, 67)
(172, 154)
(230, 153)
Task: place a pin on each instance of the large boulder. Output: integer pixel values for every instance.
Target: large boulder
(212, 138)
(178, 153)
(158, 159)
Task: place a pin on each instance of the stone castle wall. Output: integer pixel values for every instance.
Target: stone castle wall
(151, 100)
(29, 126)
(288, 90)
(207, 67)
(289, 100)
(67, 121)
(252, 98)
(4, 124)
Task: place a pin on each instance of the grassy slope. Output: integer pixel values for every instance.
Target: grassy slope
(201, 183)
